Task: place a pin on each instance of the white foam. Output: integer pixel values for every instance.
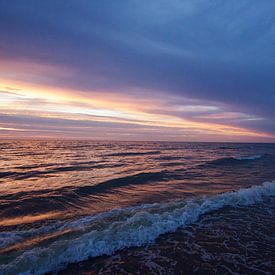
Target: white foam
(106, 233)
(250, 157)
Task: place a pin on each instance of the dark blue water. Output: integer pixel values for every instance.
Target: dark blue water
(154, 207)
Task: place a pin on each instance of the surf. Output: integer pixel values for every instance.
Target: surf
(107, 232)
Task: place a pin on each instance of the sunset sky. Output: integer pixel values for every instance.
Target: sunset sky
(138, 70)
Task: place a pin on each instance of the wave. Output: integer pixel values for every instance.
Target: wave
(71, 168)
(250, 157)
(170, 158)
(114, 230)
(72, 195)
(235, 160)
(125, 154)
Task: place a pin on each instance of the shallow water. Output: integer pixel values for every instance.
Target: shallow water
(155, 206)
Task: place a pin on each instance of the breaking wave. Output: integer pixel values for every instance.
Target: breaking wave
(105, 233)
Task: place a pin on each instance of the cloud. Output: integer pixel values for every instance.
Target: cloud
(31, 125)
(213, 52)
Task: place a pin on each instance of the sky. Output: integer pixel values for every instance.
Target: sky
(198, 70)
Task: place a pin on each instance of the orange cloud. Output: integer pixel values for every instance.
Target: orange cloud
(53, 102)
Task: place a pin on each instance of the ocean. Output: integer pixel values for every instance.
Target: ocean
(95, 207)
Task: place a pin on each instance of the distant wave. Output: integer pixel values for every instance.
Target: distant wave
(170, 158)
(107, 232)
(250, 157)
(125, 154)
(228, 147)
(72, 195)
(104, 186)
(85, 166)
(234, 160)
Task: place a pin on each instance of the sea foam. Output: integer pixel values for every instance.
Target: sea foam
(108, 232)
(250, 157)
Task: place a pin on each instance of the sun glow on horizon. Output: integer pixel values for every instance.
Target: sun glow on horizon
(37, 101)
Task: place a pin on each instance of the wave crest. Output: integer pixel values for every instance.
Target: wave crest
(235, 160)
(105, 233)
(250, 157)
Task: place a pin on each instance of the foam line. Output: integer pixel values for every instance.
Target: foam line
(108, 232)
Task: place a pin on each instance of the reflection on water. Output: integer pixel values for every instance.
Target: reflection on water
(26, 219)
(47, 185)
